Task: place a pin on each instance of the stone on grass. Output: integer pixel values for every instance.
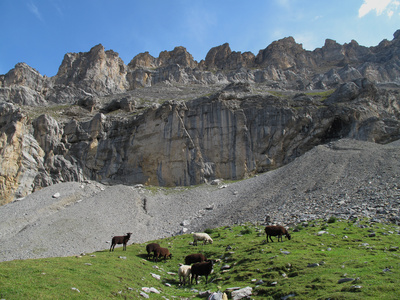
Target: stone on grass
(242, 293)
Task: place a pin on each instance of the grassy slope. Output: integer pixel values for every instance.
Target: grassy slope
(345, 251)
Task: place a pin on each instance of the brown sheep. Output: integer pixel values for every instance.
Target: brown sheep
(150, 248)
(120, 240)
(194, 258)
(161, 252)
(276, 231)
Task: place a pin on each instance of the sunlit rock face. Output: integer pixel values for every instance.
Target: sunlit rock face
(171, 120)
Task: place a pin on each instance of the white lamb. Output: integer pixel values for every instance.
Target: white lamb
(202, 237)
(184, 273)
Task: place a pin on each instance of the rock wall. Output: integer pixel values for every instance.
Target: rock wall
(224, 135)
(232, 133)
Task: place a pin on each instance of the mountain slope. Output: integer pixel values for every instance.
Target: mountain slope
(346, 178)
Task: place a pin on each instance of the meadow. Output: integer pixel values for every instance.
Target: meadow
(325, 259)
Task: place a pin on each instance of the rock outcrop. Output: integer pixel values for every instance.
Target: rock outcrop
(253, 113)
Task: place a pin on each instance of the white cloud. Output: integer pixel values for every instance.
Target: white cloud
(379, 6)
(34, 9)
(284, 3)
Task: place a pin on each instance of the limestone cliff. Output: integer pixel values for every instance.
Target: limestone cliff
(173, 121)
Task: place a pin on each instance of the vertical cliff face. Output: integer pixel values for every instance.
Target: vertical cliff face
(230, 134)
(224, 135)
(241, 114)
(21, 158)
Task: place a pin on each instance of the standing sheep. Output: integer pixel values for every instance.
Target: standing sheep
(120, 240)
(203, 268)
(184, 274)
(150, 249)
(201, 237)
(161, 252)
(276, 231)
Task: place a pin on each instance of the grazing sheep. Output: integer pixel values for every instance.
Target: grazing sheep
(161, 252)
(122, 239)
(150, 248)
(194, 258)
(184, 273)
(276, 231)
(201, 237)
(203, 268)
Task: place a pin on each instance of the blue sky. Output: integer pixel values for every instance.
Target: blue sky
(41, 32)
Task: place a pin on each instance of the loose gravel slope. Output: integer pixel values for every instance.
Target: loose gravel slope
(346, 178)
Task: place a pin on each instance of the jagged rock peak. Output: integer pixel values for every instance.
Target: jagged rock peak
(396, 35)
(217, 55)
(222, 57)
(143, 60)
(98, 71)
(284, 53)
(178, 56)
(22, 74)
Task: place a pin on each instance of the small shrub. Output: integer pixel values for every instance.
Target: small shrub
(332, 219)
(298, 228)
(247, 230)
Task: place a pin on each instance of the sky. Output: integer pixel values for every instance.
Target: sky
(41, 32)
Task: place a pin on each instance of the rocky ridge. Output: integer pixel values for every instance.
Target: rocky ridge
(170, 121)
(283, 64)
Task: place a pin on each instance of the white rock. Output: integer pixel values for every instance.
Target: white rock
(242, 293)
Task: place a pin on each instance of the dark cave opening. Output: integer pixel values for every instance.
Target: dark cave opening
(339, 128)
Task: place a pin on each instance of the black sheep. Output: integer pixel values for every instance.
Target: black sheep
(201, 269)
(150, 248)
(120, 240)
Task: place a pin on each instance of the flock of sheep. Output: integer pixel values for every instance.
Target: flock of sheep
(195, 264)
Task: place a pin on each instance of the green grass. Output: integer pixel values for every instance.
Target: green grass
(273, 270)
(323, 94)
(52, 110)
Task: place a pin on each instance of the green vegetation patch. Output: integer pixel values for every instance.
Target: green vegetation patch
(333, 259)
(322, 95)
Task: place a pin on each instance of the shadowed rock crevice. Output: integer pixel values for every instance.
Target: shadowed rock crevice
(339, 128)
